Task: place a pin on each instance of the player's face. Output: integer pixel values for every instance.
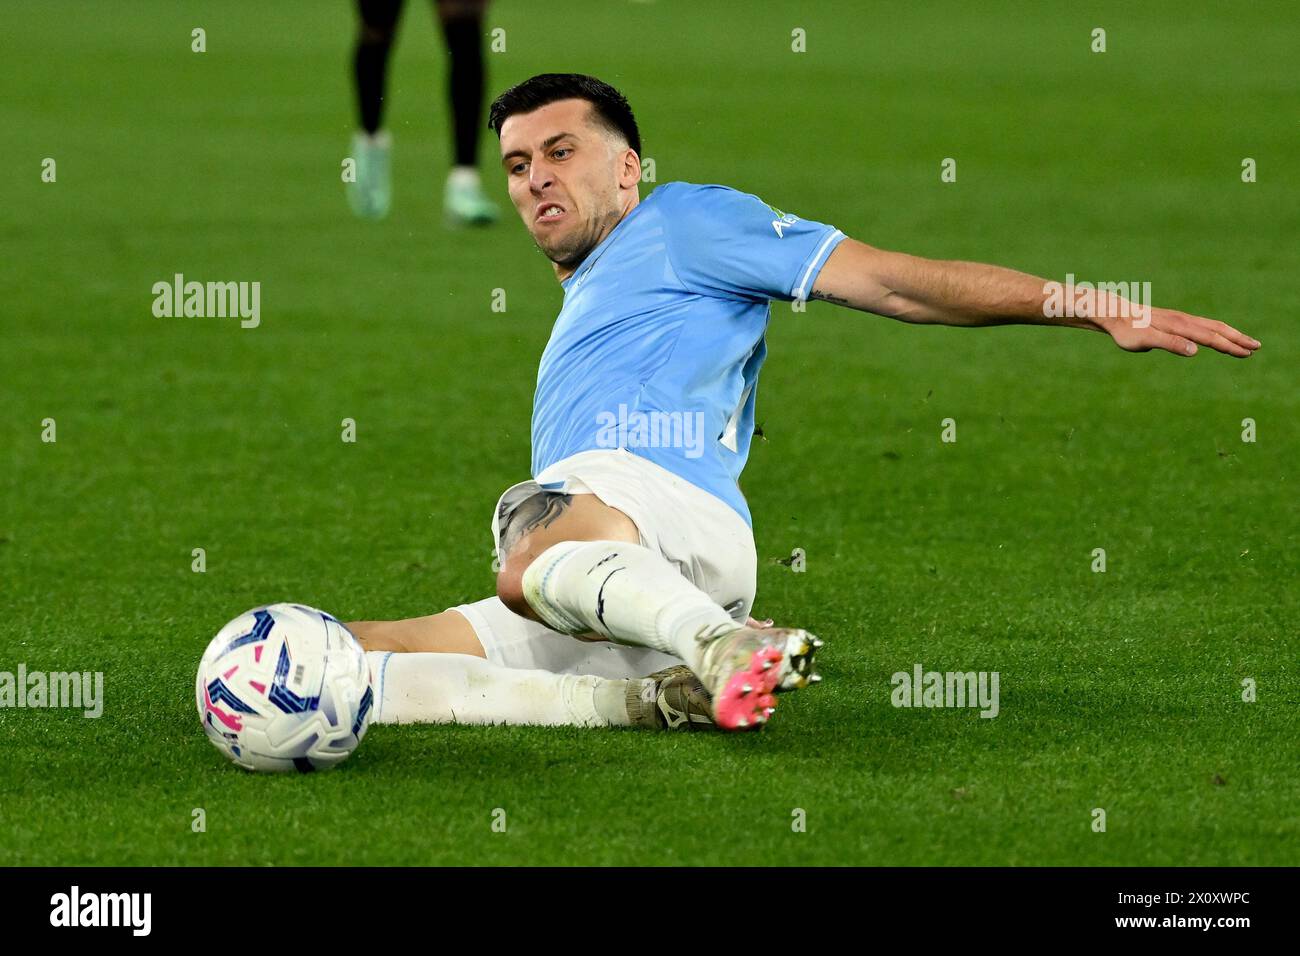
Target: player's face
(568, 178)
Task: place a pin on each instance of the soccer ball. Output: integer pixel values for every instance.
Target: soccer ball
(284, 687)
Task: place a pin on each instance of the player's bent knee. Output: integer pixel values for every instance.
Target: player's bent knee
(510, 582)
(510, 589)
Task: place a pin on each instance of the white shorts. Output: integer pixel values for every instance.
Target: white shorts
(696, 531)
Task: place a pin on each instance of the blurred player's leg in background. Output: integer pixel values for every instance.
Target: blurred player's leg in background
(371, 193)
(464, 202)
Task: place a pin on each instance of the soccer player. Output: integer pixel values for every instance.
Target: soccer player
(634, 529)
(370, 195)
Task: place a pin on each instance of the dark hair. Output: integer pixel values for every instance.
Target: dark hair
(610, 107)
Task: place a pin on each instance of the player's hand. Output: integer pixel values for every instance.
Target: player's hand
(1180, 333)
(758, 625)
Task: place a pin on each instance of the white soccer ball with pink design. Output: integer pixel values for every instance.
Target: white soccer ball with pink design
(284, 687)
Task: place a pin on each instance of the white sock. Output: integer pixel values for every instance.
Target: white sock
(461, 689)
(463, 177)
(380, 138)
(625, 592)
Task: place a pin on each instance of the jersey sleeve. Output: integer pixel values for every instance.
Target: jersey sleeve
(725, 242)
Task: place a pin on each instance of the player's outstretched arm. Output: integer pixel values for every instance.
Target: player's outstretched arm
(928, 291)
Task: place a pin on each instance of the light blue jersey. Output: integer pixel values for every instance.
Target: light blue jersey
(661, 338)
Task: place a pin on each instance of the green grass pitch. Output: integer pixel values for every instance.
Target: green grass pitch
(1119, 690)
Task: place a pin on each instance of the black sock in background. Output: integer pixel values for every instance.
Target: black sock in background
(374, 41)
(465, 84)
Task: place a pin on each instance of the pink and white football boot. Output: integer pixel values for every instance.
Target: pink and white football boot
(745, 668)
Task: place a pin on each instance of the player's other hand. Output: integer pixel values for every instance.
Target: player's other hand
(758, 625)
(1179, 333)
